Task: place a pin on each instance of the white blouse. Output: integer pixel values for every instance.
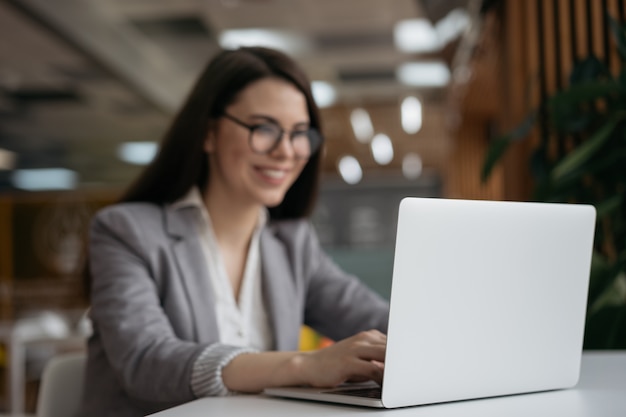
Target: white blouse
(243, 322)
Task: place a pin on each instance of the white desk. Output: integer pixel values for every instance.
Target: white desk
(601, 392)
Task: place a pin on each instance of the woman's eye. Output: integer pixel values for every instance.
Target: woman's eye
(267, 129)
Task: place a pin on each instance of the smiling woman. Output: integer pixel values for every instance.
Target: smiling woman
(203, 275)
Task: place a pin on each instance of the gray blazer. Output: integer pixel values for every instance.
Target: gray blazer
(152, 306)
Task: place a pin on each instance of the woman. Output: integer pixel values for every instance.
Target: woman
(203, 275)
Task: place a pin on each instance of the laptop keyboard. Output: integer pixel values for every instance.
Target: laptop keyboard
(359, 392)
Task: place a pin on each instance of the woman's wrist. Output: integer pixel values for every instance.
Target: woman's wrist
(252, 372)
(298, 369)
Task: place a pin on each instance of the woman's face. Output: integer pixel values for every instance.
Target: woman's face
(242, 175)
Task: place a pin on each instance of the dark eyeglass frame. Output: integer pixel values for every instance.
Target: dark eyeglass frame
(252, 127)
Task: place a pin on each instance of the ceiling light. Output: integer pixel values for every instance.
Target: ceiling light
(412, 166)
(44, 179)
(411, 115)
(137, 153)
(416, 36)
(452, 25)
(324, 94)
(7, 159)
(424, 74)
(350, 169)
(419, 35)
(382, 149)
(362, 125)
(278, 39)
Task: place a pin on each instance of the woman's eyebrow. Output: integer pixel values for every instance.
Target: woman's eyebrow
(265, 117)
(273, 120)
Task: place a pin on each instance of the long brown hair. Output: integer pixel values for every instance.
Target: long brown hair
(182, 161)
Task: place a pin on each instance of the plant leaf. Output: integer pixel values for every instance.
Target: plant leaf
(609, 205)
(539, 164)
(590, 68)
(569, 109)
(585, 91)
(613, 161)
(499, 146)
(494, 153)
(618, 334)
(606, 329)
(585, 151)
(602, 277)
(622, 79)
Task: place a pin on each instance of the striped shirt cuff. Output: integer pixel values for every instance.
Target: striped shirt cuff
(206, 376)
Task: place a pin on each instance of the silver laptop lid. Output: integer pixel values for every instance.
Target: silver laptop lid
(488, 298)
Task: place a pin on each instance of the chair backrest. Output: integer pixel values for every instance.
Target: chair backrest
(61, 386)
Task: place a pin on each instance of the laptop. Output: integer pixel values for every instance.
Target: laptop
(488, 298)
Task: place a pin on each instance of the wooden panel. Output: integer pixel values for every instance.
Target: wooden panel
(581, 28)
(466, 158)
(614, 61)
(548, 43)
(42, 249)
(597, 27)
(515, 84)
(567, 46)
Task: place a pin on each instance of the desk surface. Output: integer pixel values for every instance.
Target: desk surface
(601, 392)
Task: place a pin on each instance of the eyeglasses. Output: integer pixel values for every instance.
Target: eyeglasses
(265, 137)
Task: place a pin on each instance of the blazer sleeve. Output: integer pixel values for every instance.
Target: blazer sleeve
(150, 361)
(337, 303)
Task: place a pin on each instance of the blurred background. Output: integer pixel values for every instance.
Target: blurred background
(418, 98)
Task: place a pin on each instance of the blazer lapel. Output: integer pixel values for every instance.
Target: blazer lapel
(281, 298)
(180, 224)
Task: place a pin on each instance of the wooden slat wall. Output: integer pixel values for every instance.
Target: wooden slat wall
(526, 56)
(473, 105)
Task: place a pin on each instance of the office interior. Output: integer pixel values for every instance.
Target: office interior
(470, 99)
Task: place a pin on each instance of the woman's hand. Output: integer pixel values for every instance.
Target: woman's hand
(355, 359)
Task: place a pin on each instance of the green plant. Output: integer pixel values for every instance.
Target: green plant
(581, 158)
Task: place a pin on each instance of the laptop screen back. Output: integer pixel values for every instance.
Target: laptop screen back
(488, 298)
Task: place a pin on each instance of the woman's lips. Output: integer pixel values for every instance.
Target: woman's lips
(273, 175)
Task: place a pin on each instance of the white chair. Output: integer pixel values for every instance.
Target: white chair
(61, 386)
